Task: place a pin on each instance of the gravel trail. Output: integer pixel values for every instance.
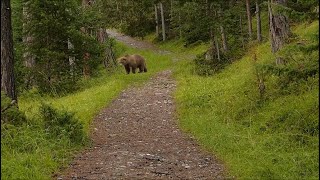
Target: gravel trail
(137, 137)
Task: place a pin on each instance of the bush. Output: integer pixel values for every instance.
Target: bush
(11, 115)
(61, 123)
(301, 64)
(206, 67)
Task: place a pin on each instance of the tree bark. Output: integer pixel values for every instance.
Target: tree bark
(180, 26)
(7, 61)
(241, 32)
(279, 28)
(86, 56)
(71, 59)
(157, 19)
(259, 36)
(109, 55)
(28, 58)
(249, 19)
(171, 9)
(217, 46)
(163, 23)
(224, 40)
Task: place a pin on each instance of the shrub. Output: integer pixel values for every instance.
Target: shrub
(61, 123)
(206, 67)
(11, 115)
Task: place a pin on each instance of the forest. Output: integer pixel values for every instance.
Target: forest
(245, 83)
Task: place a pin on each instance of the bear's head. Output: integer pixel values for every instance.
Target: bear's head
(123, 60)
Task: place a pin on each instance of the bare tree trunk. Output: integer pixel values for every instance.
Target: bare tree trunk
(212, 49)
(109, 55)
(279, 28)
(163, 23)
(224, 40)
(180, 26)
(86, 56)
(249, 19)
(28, 58)
(71, 59)
(241, 32)
(217, 47)
(259, 36)
(157, 19)
(222, 32)
(171, 9)
(7, 61)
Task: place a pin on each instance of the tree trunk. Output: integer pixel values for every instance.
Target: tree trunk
(86, 3)
(109, 55)
(180, 26)
(249, 19)
(28, 58)
(217, 46)
(7, 61)
(86, 56)
(212, 49)
(71, 59)
(163, 23)
(224, 40)
(241, 32)
(279, 28)
(171, 9)
(157, 19)
(259, 36)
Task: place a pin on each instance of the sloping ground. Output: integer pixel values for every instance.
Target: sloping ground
(137, 137)
(271, 138)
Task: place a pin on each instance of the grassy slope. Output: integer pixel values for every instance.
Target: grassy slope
(26, 151)
(254, 142)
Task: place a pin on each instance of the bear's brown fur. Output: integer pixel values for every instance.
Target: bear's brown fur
(133, 61)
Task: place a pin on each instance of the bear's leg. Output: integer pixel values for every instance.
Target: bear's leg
(133, 70)
(140, 69)
(127, 67)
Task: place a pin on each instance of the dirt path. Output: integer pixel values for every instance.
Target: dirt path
(135, 43)
(137, 137)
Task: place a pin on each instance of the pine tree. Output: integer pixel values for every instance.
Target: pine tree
(7, 59)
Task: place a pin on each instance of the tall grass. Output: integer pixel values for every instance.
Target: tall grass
(28, 153)
(257, 138)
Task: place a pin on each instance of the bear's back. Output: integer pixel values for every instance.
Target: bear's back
(137, 59)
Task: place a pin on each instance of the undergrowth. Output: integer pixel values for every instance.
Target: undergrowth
(259, 133)
(57, 127)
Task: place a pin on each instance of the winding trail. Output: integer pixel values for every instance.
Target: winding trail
(137, 137)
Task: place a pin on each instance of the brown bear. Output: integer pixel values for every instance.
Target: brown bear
(133, 61)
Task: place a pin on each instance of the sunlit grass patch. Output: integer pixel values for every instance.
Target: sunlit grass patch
(28, 152)
(271, 138)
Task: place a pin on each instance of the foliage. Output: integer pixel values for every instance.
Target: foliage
(205, 66)
(47, 142)
(12, 114)
(52, 25)
(61, 124)
(272, 139)
(134, 18)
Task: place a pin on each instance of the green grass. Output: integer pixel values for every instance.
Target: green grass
(255, 140)
(27, 153)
